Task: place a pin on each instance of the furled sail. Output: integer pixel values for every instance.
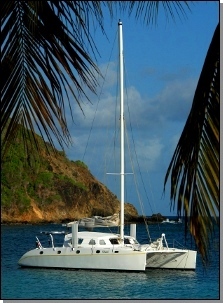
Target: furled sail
(97, 221)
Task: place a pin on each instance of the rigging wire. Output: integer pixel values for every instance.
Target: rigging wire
(116, 133)
(137, 188)
(137, 161)
(115, 136)
(99, 98)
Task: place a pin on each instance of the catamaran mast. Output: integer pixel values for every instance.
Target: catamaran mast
(122, 164)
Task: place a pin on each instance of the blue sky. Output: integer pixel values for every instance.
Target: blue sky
(162, 64)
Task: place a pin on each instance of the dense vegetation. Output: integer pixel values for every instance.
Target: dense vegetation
(44, 185)
(27, 176)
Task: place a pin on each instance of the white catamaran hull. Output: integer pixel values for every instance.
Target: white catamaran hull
(172, 259)
(120, 258)
(127, 260)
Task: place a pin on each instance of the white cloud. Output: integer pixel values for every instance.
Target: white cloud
(149, 151)
(172, 103)
(176, 99)
(151, 119)
(109, 72)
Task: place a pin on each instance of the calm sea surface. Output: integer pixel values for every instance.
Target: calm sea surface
(18, 283)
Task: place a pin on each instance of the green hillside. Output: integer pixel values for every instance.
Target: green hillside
(38, 186)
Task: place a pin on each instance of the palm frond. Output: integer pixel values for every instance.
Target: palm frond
(194, 168)
(150, 10)
(46, 60)
(45, 48)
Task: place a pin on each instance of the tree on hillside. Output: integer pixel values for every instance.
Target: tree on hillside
(46, 45)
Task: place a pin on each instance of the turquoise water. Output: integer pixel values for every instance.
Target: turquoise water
(25, 283)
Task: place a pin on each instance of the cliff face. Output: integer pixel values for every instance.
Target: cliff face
(52, 189)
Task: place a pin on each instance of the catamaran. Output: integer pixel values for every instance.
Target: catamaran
(92, 250)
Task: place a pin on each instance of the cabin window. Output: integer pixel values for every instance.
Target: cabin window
(92, 242)
(126, 241)
(102, 242)
(114, 241)
(135, 241)
(80, 240)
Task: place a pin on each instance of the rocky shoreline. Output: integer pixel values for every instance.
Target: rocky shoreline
(155, 218)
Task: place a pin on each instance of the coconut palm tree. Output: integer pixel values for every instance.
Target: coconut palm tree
(49, 55)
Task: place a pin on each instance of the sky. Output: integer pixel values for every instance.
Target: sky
(162, 68)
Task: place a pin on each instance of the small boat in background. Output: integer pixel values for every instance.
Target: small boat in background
(179, 220)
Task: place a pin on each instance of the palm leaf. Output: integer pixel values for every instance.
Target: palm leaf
(45, 48)
(194, 168)
(150, 10)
